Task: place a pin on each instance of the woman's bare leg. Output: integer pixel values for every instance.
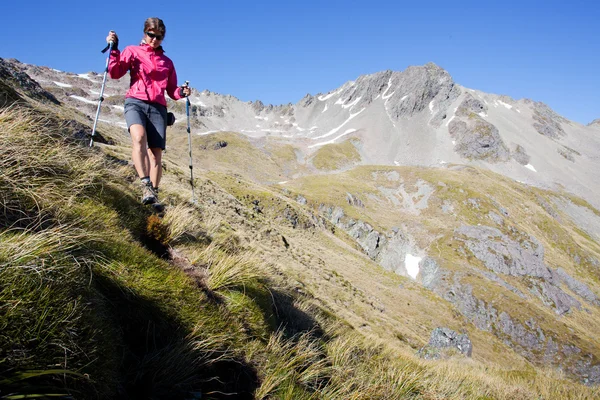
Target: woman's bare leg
(139, 152)
(155, 161)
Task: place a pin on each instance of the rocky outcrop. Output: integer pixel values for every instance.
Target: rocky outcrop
(547, 122)
(470, 105)
(415, 88)
(354, 201)
(577, 287)
(568, 153)
(595, 122)
(520, 155)
(12, 71)
(526, 337)
(504, 255)
(444, 342)
(387, 249)
(258, 106)
(478, 140)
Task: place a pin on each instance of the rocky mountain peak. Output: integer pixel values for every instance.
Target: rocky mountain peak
(595, 122)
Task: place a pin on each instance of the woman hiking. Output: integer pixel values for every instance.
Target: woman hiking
(152, 73)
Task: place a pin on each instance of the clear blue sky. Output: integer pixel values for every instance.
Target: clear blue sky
(277, 51)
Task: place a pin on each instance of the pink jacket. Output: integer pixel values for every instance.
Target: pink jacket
(151, 73)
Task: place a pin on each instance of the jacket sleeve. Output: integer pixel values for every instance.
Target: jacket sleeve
(172, 88)
(119, 63)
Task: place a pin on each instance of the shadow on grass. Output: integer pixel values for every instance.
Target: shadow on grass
(160, 361)
(292, 320)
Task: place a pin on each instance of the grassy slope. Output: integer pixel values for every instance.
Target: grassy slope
(433, 230)
(111, 302)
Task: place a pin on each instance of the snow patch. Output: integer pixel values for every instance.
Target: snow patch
(282, 182)
(386, 96)
(62, 84)
(450, 120)
(431, 106)
(85, 76)
(530, 167)
(298, 127)
(261, 118)
(505, 104)
(482, 114)
(352, 104)
(411, 263)
(334, 130)
(83, 99)
(332, 140)
(207, 132)
(325, 109)
(323, 98)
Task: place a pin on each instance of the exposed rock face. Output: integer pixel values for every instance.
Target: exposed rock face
(567, 153)
(520, 155)
(579, 288)
(444, 339)
(475, 137)
(354, 201)
(527, 338)
(522, 258)
(594, 122)
(547, 122)
(258, 106)
(471, 105)
(478, 139)
(504, 255)
(420, 85)
(11, 70)
(388, 250)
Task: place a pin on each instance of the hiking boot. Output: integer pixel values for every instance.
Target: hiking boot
(148, 194)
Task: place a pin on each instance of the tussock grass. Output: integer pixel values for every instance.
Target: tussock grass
(291, 367)
(184, 224)
(228, 271)
(41, 171)
(42, 286)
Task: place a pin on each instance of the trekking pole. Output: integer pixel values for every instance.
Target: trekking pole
(189, 131)
(109, 48)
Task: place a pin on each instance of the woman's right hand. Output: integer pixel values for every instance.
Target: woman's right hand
(112, 37)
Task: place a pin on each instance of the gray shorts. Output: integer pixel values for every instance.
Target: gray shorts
(152, 116)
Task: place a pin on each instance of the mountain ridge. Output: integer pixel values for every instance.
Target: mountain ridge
(418, 116)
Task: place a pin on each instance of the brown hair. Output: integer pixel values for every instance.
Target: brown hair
(155, 24)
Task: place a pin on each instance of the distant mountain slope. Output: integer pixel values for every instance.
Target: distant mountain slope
(419, 116)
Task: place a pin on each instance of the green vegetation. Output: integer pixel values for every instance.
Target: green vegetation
(335, 156)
